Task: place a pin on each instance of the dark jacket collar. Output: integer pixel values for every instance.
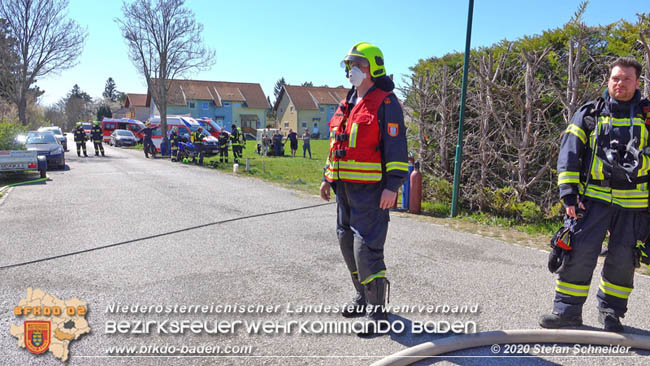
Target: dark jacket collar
(618, 106)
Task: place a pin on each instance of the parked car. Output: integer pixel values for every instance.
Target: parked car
(110, 124)
(122, 138)
(45, 144)
(58, 134)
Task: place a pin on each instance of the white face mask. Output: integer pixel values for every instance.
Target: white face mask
(356, 76)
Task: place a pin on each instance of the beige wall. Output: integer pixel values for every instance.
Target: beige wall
(308, 116)
(286, 115)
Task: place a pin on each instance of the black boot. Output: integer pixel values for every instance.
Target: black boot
(555, 321)
(376, 314)
(356, 307)
(610, 322)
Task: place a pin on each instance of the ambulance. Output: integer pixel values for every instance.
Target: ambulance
(185, 125)
(210, 126)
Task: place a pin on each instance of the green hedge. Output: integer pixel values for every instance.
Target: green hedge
(8, 133)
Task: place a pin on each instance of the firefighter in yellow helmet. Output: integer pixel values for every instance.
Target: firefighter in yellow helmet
(80, 139)
(367, 163)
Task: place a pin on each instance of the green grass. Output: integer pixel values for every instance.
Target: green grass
(300, 173)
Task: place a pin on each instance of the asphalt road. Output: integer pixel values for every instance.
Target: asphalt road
(282, 259)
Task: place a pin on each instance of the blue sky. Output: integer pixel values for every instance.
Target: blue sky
(261, 41)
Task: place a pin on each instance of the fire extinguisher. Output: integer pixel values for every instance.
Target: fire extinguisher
(415, 194)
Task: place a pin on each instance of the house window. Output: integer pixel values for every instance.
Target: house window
(205, 105)
(322, 109)
(316, 124)
(190, 105)
(291, 109)
(226, 104)
(304, 124)
(258, 124)
(286, 124)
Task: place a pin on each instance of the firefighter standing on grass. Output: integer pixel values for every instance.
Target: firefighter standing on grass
(197, 140)
(603, 179)
(366, 165)
(224, 137)
(80, 139)
(237, 142)
(97, 135)
(173, 143)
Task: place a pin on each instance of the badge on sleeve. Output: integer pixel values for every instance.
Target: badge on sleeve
(393, 129)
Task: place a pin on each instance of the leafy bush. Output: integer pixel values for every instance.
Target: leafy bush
(436, 189)
(8, 132)
(504, 202)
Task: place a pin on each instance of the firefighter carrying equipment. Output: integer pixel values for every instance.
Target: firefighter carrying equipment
(615, 136)
(560, 249)
(642, 254)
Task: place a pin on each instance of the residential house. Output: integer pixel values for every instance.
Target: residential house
(227, 103)
(121, 113)
(312, 107)
(136, 106)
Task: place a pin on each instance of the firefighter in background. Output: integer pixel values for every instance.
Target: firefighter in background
(147, 141)
(224, 138)
(603, 179)
(173, 142)
(197, 140)
(237, 142)
(97, 135)
(80, 139)
(367, 164)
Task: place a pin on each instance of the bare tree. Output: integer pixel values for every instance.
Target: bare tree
(644, 39)
(164, 42)
(46, 42)
(487, 77)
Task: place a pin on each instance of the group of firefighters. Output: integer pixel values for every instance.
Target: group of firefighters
(235, 139)
(96, 135)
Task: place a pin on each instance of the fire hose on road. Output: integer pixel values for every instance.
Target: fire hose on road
(551, 336)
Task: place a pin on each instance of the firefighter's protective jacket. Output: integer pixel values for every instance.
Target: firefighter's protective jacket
(618, 177)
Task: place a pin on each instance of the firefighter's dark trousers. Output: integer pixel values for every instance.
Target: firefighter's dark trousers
(361, 228)
(81, 145)
(223, 152)
(97, 144)
(236, 152)
(625, 228)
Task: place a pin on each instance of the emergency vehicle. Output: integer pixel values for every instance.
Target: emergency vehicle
(87, 126)
(186, 125)
(109, 125)
(210, 126)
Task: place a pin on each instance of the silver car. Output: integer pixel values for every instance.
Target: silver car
(122, 138)
(58, 134)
